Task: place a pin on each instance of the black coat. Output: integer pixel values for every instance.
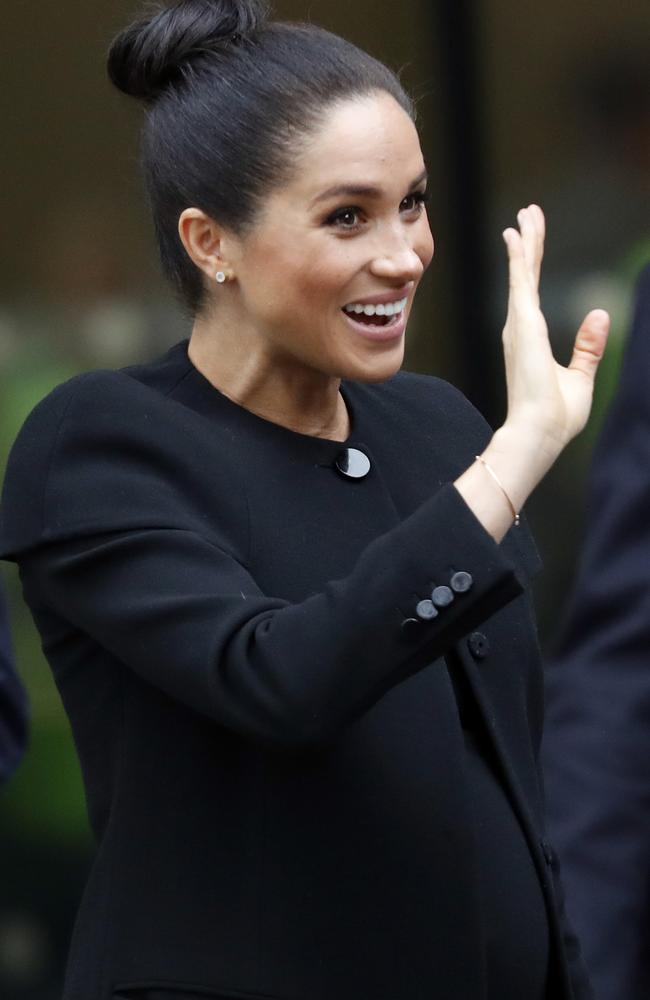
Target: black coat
(273, 763)
(597, 748)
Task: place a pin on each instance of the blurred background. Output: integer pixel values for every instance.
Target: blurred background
(517, 103)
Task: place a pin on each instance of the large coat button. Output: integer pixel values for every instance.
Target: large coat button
(352, 463)
(461, 582)
(479, 645)
(442, 596)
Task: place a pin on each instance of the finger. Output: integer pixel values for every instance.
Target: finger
(539, 225)
(517, 267)
(527, 230)
(522, 297)
(531, 224)
(590, 343)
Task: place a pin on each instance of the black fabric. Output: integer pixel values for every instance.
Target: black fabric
(515, 921)
(275, 770)
(469, 713)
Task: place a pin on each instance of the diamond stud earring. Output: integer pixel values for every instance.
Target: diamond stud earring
(220, 276)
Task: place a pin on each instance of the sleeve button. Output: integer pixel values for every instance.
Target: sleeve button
(426, 610)
(442, 596)
(461, 582)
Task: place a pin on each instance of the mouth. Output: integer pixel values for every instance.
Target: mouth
(382, 314)
(381, 321)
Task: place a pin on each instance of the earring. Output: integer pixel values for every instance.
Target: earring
(220, 276)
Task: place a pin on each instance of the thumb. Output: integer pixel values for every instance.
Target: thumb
(590, 343)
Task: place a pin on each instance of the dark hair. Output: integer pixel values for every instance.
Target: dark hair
(228, 95)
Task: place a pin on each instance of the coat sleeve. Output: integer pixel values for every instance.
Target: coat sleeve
(112, 542)
(597, 743)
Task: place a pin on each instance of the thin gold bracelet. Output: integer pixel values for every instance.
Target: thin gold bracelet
(501, 487)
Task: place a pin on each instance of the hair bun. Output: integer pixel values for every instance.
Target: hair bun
(149, 53)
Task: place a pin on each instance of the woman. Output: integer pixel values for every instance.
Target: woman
(278, 592)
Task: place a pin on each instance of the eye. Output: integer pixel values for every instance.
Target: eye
(344, 218)
(414, 202)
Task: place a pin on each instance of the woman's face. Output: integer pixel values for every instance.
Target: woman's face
(348, 231)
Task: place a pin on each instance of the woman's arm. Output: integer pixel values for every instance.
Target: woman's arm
(189, 618)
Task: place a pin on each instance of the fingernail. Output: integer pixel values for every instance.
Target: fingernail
(601, 317)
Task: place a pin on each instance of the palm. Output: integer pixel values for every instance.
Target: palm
(555, 398)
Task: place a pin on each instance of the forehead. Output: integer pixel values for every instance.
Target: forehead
(369, 140)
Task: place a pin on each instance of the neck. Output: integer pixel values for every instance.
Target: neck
(279, 390)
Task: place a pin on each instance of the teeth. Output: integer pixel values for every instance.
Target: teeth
(387, 309)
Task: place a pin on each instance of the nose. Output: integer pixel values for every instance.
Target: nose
(400, 263)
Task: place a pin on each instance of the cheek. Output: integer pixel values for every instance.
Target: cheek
(325, 275)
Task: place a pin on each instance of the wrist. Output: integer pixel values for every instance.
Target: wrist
(525, 431)
(520, 458)
(495, 479)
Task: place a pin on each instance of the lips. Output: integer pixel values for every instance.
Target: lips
(377, 327)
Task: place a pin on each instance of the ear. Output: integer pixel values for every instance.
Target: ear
(203, 240)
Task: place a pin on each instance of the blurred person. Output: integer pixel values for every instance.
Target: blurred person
(597, 740)
(282, 585)
(13, 704)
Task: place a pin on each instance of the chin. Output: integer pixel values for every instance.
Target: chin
(378, 366)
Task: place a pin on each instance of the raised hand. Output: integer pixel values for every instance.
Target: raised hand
(545, 400)
(548, 404)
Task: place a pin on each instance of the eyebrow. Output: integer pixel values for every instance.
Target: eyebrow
(361, 190)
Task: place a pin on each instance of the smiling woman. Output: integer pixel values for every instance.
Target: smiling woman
(312, 262)
(268, 567)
